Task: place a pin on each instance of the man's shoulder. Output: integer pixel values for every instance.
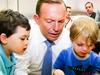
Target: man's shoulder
(32, 22)
(34, 25)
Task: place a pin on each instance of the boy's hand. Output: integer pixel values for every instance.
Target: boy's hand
(58, 72)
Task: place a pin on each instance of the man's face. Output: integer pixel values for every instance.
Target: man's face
(89, 8)
(51, 20)
(68, 13)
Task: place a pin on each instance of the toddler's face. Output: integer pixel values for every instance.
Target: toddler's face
(18, 41)
(82, 47)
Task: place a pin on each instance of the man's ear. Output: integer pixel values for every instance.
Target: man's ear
(36, 18)
(3, 38)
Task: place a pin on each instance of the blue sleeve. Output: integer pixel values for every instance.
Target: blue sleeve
(1, 73)
(59, 63)
(97, 63)
(1, 66)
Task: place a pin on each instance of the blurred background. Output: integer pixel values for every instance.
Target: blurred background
(27, 7)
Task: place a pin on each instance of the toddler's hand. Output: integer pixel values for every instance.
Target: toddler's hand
(58, 72)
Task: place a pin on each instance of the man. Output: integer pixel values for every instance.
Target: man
(89, 8)
(68, 17)
(50, 18)
(90, 11)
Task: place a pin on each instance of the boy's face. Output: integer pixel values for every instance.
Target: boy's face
(18, 41)
(81, 47)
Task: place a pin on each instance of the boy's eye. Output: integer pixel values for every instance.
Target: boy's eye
(79, 44)
(22, 39)
(90, 45)
(27, 38)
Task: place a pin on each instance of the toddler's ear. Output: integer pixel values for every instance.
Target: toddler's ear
(3, 38)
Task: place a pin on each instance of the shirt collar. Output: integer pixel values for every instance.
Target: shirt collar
(40, 36)
(78, 56)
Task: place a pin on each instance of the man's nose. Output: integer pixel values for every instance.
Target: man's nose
(56, 26)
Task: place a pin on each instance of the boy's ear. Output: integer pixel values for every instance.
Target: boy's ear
(3, 38)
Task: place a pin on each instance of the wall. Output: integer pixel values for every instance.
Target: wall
(27, 7)
(79, 4)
